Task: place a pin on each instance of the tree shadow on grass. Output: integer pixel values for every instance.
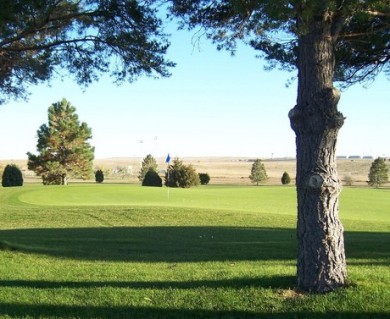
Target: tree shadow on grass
(172, 244)
(104, 312)
(181, 244)
(369, 247)
(276, 282)
(155, 244)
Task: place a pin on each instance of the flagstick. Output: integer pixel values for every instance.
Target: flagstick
(168, 159)
(168, 181)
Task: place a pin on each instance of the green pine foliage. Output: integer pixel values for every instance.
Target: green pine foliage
(63, 147)
(87, 39)
(53, 179)
(12, 176)
(180, 175)
(285, 178)
(152, 179)
(362, 30)
(258, 172)
(379, 173)
(99, 176)
(148, 163)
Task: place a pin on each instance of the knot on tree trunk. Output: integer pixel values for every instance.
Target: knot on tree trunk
(323, 184)
(315, 182)
(317, 114)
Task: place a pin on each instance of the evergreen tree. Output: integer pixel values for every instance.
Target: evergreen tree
(12, 176)
(324, 41)
(379, 173)
(285, 178)
(149, 162)
(62, 146)
(258, 172)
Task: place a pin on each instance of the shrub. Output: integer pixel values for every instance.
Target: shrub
(180, 175)
(99, 176)
(12, 176)
(152, 179)
(285, 178)
(204, 178)
(348, 180)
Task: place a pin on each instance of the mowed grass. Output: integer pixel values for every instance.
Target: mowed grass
(124, 251)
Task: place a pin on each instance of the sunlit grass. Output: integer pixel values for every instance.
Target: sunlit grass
(245, 198)
(123, 251)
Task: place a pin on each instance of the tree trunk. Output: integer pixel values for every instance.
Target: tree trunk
(64, 179)
(321, 263)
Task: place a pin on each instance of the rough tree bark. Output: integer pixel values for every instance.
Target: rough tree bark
(316, 121)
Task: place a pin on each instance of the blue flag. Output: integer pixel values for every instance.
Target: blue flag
(168, 159)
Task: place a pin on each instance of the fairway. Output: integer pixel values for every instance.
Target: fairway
(125, 251)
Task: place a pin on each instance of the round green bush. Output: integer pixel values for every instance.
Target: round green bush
(204, 178)
(152, 179)
(285, 178)
(12, 176)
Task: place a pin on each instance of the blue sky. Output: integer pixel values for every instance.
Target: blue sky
(212, 105)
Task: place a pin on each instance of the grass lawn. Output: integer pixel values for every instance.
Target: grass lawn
(125, 251)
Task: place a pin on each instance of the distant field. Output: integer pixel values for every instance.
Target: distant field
(126, 251)
(222, 170)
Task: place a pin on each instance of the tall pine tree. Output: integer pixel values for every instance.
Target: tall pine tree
(63, 147)
(258, 172)
(379, 173)
(325, 41)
